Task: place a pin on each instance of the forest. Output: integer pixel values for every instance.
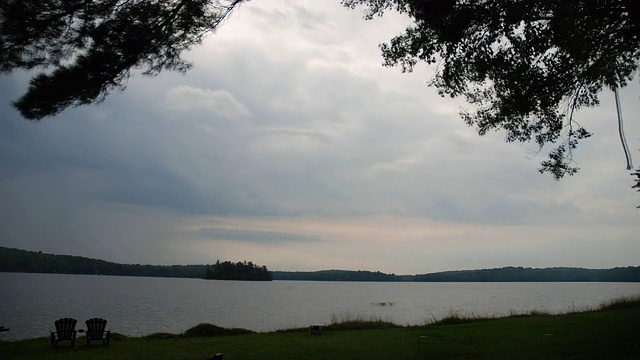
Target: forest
(558, 274)
(228, 270)
(335, 275)
(15, 260)
(505, 274)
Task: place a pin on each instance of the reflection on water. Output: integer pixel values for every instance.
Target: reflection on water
(139, 306)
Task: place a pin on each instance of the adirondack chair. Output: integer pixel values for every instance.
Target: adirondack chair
(96, 330)
(65, 330)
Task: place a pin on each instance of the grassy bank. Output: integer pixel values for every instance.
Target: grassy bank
(610, 332)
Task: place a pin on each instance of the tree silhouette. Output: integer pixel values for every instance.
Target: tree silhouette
(227, 270)
(87, 48)
(525, 66)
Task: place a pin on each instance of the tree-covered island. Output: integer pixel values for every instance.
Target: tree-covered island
(16, 260)
(228, 270)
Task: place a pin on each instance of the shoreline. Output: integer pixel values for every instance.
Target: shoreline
(609, 332)
(351, 322)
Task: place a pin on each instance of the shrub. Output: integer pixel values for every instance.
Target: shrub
(359, 322)
(621, 303)
(204, 330)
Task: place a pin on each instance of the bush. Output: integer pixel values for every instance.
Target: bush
(621, 303)
(205, 330)
(359, 322)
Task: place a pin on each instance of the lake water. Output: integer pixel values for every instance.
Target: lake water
(29, 303)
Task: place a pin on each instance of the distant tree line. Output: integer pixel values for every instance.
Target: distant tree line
(335, 275)
(506, 274)
(15, 260)
(558, 274)
(228, 270)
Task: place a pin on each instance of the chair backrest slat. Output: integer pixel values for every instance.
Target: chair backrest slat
(95, 327)
(65, 328)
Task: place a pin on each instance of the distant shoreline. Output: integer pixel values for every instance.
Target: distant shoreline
(16, 260)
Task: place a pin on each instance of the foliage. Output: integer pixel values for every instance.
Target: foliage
(87, 48)
(525, 66)
(204, 330)
(350, 321)
(520, 274)
(637, 181)
(335, 275)
(621, 303)
(15, 260)
(453, 319)
(609, 334)
(515, 274)
(239, 271)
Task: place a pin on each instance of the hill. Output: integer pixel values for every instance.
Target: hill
(505, 274)
(15, 260)
(559, 274)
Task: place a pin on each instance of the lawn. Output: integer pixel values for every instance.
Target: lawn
(609, 333)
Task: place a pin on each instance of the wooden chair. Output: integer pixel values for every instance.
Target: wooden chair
(96, 330)
(65, 330)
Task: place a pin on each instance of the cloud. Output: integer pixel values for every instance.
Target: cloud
(219, 102)
(289, 144)
(266, 237)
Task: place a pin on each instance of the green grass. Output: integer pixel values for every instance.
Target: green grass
(609, 332)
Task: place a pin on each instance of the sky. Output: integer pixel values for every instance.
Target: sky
(290, 145)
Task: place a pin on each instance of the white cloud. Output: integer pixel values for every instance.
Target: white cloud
(219, 102)
(305, 135)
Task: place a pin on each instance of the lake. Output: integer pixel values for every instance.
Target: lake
(140, 305)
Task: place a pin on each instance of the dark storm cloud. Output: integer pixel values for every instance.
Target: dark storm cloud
(79, 145)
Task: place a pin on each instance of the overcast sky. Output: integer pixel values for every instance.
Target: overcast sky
(288, 144)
